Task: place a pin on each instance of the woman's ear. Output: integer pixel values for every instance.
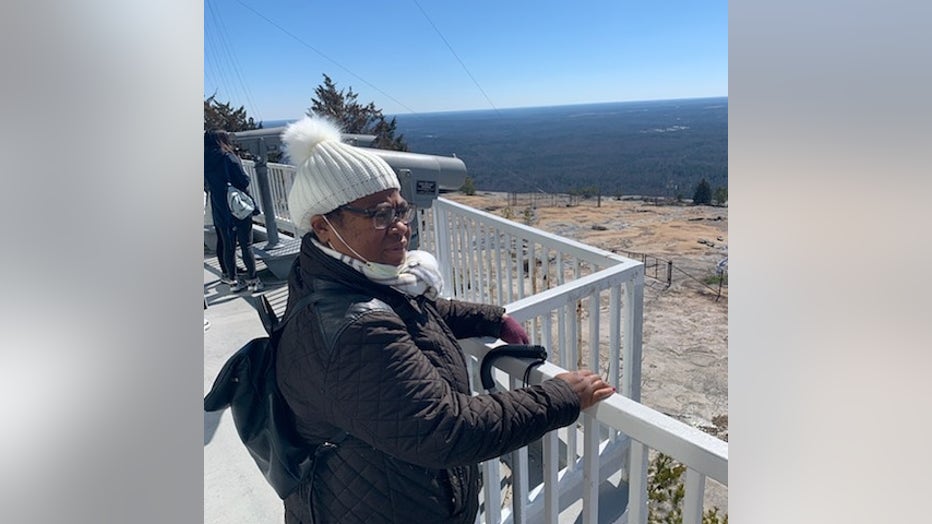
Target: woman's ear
(318, 224)
(321, 228)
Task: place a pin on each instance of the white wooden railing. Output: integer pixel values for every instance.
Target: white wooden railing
(615, 438)
(485, 258)
(281, 177)
(585, 305)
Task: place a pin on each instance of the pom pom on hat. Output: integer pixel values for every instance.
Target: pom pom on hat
(328, 172)
(300, 137)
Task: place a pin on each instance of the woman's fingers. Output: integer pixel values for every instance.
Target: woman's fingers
(588, 385)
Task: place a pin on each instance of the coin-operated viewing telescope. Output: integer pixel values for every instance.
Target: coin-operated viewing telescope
(423, 177)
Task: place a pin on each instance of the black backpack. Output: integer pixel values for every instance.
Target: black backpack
(247, 385)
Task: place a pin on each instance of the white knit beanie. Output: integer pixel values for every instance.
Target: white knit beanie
(329, 173)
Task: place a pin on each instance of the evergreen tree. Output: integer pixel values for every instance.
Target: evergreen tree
(703, 194)
(468, 187)
(720, 196)
(385, 131)
(225, 117)
(344, 108)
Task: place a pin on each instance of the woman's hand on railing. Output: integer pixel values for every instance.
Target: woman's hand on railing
(588, 385)
(512, 331)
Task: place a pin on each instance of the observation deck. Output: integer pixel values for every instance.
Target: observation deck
(584, 304)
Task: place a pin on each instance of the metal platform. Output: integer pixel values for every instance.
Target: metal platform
(278, 258)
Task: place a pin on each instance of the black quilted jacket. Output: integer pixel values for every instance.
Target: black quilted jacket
(387, 369)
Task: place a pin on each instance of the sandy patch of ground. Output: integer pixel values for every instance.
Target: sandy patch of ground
(685, 364)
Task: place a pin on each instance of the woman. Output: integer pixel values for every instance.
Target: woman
(373, 365)
(222, 168)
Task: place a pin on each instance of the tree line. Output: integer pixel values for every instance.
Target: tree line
(703, 194)
(341, 106)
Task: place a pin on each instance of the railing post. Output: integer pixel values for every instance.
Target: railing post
(551, 462)
(443, 247)
(519, 477)
(590, 490)
(614, 340)
(265, 196)
(692, 503)
(551, 458)
(633, 337)
(637, 484)
(492, 491)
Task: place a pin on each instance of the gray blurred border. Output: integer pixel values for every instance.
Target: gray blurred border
(829, 254)
(101, 364)
(829, 338)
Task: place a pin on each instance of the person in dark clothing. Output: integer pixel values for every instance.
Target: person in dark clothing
(221, 169)
(218, 242)
(373, 365)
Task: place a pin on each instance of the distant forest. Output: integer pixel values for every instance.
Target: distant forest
(655, 148)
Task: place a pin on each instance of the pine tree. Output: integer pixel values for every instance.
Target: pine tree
(344, 108)
(385, 131)
(225, 117)
(703, 194)
(720, 196)
(468, 187)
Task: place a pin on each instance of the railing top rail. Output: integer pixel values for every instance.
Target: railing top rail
(248, 162)
(577, 289)
(577, 249)
(697, 449)
(700, 451)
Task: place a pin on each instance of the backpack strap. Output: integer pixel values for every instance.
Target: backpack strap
(266, 313)
(329, 445)
(301, 304)
(270, 320)
(336, 439)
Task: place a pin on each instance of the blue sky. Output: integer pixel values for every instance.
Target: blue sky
(421, 56)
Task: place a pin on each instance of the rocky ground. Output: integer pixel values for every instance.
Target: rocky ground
(685, 364)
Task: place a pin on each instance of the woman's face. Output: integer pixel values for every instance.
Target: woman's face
(354, 234)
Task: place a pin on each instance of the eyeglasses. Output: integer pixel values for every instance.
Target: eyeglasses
(384, 216)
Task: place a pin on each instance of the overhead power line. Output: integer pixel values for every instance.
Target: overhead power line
(324, 56)
(217, 73)
(478, 86)
(450, 47)
(231, 58)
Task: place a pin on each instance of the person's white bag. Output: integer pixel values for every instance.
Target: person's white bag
(241, 204)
